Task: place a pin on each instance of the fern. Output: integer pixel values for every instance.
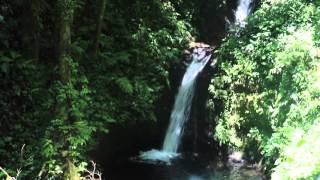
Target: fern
(125, 85)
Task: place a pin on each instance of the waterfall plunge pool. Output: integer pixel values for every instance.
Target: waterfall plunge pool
(185, 166)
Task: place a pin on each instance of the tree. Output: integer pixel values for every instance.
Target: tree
(101, 5)
(31, 29)
(64, 20)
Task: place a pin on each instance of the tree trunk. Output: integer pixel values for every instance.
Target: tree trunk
(64, 22)
(31, 29)
(64, 44)
(101, 5)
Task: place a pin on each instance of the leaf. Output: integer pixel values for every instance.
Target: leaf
(5, 59)
(5, 68)
(125, 85)
(111, 120)
(120, 57)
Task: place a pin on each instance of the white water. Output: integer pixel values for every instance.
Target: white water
(181, 110)
(182, 105)
(242, 12)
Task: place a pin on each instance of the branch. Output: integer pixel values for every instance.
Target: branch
(8, 176)
(94, 174)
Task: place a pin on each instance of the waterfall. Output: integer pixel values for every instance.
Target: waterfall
(181, 110)
(183, 101)
(242, 12)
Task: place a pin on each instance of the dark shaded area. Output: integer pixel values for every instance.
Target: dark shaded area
(181, 169)
(187, 167)
(212, 20)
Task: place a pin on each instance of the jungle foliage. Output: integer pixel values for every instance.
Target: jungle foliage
(70, 68)
(268, 83)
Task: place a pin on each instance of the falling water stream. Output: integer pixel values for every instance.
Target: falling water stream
(242, 12)
(181, 110)
(182, 105)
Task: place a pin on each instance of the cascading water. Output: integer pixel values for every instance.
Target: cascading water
(181, 109)
(182, 105)
(242, 12)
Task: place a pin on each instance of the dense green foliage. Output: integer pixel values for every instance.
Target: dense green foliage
(56, 108)
(269, 84)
